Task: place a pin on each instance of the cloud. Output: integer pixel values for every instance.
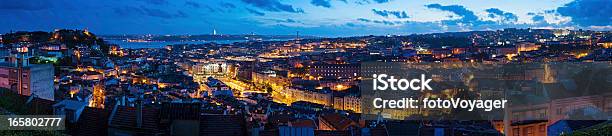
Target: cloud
(381, 1)
(192, 4)
(291, 21)
(467, 16)
(129, 10)
(381, 13)
(384, 22)
(273, 5)
(287, 21)
(322, 3)
(588, 12)
(162, 14)
(538, 19)
(180, 14)
(505, 16)
(468, 21)
(228, 5)
(210, 9)
(386, 13)
(364, 2)
(24, 4)
(255, 12)
(350, 24)
(156, 16)
(363, 20)
(156, 2)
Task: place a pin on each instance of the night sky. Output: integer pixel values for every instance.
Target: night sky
(311, 17)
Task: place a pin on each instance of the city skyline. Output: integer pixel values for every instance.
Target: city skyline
(311, 67)
(327, 18)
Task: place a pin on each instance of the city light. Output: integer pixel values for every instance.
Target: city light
(308, 68)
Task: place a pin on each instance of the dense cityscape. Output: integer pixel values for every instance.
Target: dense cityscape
(259, 86)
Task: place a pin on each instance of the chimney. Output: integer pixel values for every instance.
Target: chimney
(139, 113)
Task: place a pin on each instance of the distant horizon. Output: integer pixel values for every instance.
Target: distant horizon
(326, 18)
(318, 36)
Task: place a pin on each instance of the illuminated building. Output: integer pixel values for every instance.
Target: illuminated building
(336, 84)
(528, 128)
(270, 78)
(53, 47)
(525, 46)
(441, 53)
(215, 87)
(456, 51)
(335, 70)
(534, 118)
(115, 50)
(323, 96)
(423, 51)
(348, 102)
(506, 51)
(605, 44)
(91, 75)
(70, 108)
(558, 109)
(244, 71)
(232, 71)
(28, 79)
(336, 122)
(203, 70)
(561, 32)
(97, 100)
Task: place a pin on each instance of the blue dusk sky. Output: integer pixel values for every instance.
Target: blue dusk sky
(310, 17)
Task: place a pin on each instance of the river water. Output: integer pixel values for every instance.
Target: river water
(161, 44)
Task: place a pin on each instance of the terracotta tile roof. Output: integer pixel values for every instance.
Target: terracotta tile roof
(378, 131)
(40, 106)
(125, 119)
(182, 111)
(270, 132)
(92, 122)
(279, 118)
(222, 125)
(357, 132)
(337, 121)
(332, 133)
(303, 123)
